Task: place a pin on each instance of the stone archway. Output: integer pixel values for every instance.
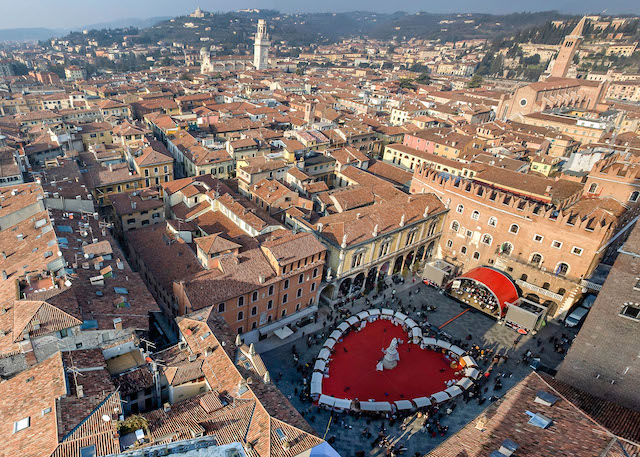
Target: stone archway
(358, 281)
(328, 292)
(370, 282)
(397, 266)
(428, 253)
(533, 297)
(345, 285)
(552, 307)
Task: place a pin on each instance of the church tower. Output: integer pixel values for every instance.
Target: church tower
(261, 46)
(568, 50)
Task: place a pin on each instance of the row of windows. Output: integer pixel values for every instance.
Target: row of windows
(285, 298)
(156, 170)
(488, 239)
(562, 268)
(254, 324)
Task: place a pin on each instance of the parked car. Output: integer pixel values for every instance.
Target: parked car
(588, 301)
(576, 317)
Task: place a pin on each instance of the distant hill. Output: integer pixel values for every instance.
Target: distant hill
(41, 33)
(233, 28)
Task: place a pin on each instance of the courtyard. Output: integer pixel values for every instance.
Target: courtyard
(351, 435)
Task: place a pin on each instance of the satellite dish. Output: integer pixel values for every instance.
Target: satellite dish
(106, 418)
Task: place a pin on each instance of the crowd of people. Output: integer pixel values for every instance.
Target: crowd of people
(478, 295)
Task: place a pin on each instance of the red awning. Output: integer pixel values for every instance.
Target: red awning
(497, 282)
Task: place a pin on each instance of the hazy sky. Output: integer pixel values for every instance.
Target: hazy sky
(75, 13)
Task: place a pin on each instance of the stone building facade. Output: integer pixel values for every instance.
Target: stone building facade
(548, 249)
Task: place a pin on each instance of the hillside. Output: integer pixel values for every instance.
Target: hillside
(233, 28)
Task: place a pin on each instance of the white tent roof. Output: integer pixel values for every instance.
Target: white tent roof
(342, 403)
(469, 361)
(374, 312)
(362, 315)
(457, 350)
(453, 391)
(410, 322)
(429, 341)
(400, 316)
(464, 383)
(387, 312)
(336, 335)
(352, 320)
(324, 353)
(439, 397)
(422, 401)
(416, 331)
(316, 383)
(326, 400)
(375, 406)
(404, 404)
(320, 365)
(443, 344)
(342, 327)
(329, 344)
(471, 372)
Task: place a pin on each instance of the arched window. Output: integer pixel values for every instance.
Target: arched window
(455, 226)
(506, 248)
(254, 296)
(593, 187)
(254, 310)
(301, 278)
(449, 243)
(514, 228)
(270, 290)
(285, 298)
(476, 255)
(536, 259)
(487, 239)
(562, 269)
(240, 301)
(221, 308)
(561, 292)
(493, 221)
(240, 315)
(475, 215)
(523, 277)
(546, 286)
(460, 209)
(463, 250)
(634, 196)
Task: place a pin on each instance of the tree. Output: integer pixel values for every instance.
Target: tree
(407, 83)
(476, 81)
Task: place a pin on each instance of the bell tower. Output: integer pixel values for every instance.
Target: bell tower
(261, 46)
(568, 50)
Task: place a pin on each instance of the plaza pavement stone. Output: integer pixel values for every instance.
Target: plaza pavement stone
(347, 429)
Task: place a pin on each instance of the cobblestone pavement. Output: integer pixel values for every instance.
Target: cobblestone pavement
(347, 429)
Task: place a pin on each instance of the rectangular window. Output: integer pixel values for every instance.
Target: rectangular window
(538, 238)
(631, 312)
(21, 424)
(556, 244)
(576, 250)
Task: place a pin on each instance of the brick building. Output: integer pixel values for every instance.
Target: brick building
(604, 356)
(539, 230)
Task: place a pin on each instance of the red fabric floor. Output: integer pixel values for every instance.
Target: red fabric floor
(353, 374)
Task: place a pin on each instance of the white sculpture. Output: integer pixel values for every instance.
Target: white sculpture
(391, 356)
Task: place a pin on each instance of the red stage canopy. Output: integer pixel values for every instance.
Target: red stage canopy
(497, 282)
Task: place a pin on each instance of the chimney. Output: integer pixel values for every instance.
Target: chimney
(117, 323)
(167, 407)
(4, 275)
(133, 205)
(80, 391)
(111, 167)
(262, 279)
